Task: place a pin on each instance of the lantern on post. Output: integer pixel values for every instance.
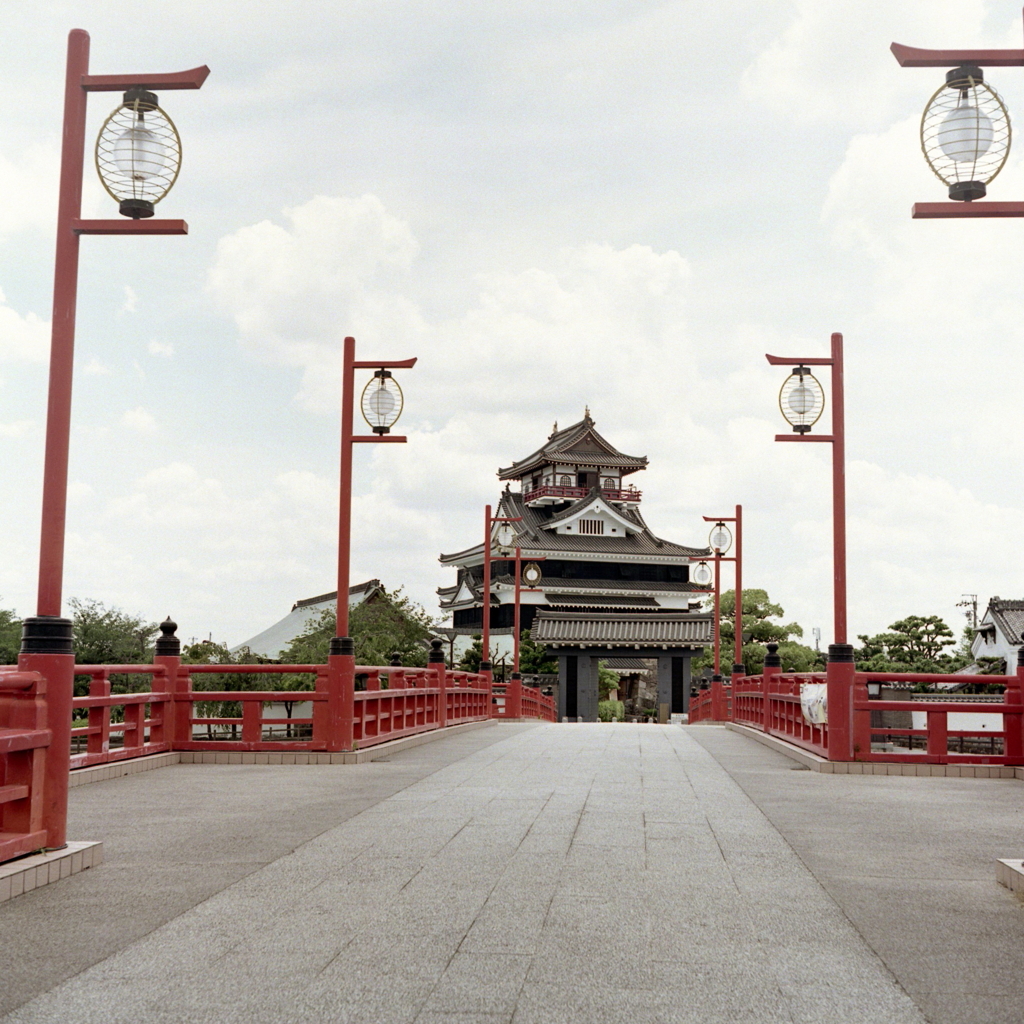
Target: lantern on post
(965, 133)
(382, 402)
(702, 574)
(138, 153)
(801, 400)
(720, 538)
(504, 536)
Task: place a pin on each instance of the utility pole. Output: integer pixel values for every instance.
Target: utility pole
(970, 601)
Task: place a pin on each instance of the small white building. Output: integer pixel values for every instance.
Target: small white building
(274, 639)
(999, 633)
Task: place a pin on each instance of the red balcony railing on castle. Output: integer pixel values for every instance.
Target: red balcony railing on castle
(630, 494)
(773, 703)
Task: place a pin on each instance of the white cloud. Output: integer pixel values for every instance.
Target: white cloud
(161, 348)
(19, 428)
(131, 301)
(832, 62)
(28, 187)
(139, 419)
(94, 368)
(22, 338)
(295, 292)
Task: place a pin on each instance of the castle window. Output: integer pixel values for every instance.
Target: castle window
(592, 526)
(610, 483)
(565, 481)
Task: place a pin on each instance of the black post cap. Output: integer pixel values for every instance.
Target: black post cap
(396, 659)
(840, 653)
(716, 679)
(343, 645)
(167, 644)
(515, 675)
(739, 670)
(436, 656)
(46, 634)
(772, 659)
(485, 666)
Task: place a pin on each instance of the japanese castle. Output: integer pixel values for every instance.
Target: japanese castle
(608, 586)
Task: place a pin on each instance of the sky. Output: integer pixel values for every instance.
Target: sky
(553, 205)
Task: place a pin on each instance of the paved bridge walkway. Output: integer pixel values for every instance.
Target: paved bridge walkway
(529, 873)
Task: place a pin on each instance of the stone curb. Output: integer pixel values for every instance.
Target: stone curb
(38, 869)
(1011, 874)
(119, 769)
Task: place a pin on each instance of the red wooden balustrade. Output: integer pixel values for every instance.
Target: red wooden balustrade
(394, 702)
(23, 742)
(531, 702)
(771, 703)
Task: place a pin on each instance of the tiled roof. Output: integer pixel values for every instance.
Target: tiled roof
(535, 540)
(556, 583)
(578, 445)
(626, 664)
(601, 600)
(1009, 617)
(596, 629)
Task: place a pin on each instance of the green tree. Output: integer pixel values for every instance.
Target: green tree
(915, 644)
(534, 657)
(208, 652)
(379, 628)
(10, 637)
(759, 619)
(473, 655)
(110, 636)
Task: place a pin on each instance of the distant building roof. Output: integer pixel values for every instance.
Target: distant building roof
(535, 539)
(1009, 617)
(599, 629)
(276, 638)
(578, 445)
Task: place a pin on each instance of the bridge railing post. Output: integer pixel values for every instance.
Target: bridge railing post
(435, 661)
(338, 715)
(1013, 724)
(168, 654)
(717, 699)
(839, 680)
(772, 668)
(46, 648)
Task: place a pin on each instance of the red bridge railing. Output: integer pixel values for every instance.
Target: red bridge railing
(774, 703)
(348, 707)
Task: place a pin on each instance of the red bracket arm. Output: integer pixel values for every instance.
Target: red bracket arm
(804, 437)
(912, 57)
(129, 227)
(191, 79)
(400, 364)
(935, 211)
(787, 361)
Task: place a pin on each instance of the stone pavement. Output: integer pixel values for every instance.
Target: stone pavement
(549, 873)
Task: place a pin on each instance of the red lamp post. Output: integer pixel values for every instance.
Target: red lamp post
(802, 403)
(381, 407)
(965, 131)
(138, 166)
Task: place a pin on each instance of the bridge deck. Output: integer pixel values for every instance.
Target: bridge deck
(521, 873)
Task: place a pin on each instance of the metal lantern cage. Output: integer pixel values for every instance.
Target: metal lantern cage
(382, 402)
(720, 537)
(801, 400)
(504, 536)
(138, 154)
(532, 574)
(702, 574)
(965, 133)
